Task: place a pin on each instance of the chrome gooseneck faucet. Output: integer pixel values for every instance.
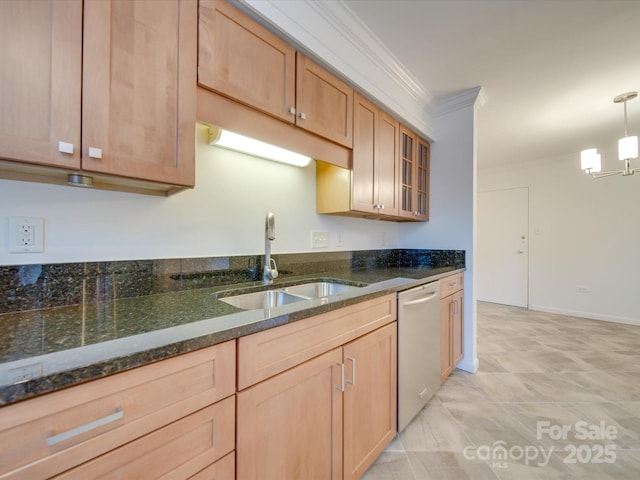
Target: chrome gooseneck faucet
(270, 268)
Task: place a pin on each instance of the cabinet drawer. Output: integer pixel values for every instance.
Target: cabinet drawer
(179, 450)
(223, 469)
(450, 284)
(267, 353)
(47, 435)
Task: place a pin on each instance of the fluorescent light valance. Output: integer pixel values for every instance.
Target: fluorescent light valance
(240, 143)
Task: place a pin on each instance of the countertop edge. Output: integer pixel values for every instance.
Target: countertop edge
(146, 348)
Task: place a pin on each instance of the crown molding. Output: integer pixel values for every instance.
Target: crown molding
(475, 97)
(332, 34)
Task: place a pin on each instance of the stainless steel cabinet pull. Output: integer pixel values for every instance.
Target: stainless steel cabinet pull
(303, 115)
(74, 432)
(292, 110)
(353, 371)
(341, 387)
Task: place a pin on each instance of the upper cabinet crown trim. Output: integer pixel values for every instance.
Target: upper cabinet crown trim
(323, 27)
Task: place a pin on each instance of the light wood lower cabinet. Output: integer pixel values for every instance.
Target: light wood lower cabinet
(290, 426)
(50, 434)
(327, 415)
(451, 324)
(370, 398)
(179, 450)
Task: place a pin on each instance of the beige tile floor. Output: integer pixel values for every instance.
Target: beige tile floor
(539, 374)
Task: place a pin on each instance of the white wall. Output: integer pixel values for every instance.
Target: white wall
(223, 215)
(584, 233)
(451, 224)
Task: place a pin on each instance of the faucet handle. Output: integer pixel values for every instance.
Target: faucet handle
(273, 268)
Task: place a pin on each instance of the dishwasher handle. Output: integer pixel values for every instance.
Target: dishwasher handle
(429, 296)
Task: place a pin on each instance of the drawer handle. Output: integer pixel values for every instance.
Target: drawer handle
(74, 432)
(453, 284)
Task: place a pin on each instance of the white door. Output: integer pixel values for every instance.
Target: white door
(503, 246)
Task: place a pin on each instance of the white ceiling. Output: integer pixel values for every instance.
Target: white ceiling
(550, 69)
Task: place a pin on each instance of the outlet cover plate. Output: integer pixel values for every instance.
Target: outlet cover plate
(26, 234)
(319, 239)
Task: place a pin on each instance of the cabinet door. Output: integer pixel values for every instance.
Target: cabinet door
(240, 58)
(387, 163)
(364, 195)
(446, 360)
(457, 328)
(407, 171)
(324, 104)
(370, 398)
(414, 176)
(290, 426)
(421, 177)
(139, 88)
(41, 58)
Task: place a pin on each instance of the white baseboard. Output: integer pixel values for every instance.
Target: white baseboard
(589, 315)
(469, 366)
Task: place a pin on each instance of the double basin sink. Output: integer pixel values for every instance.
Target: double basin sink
(286, 295)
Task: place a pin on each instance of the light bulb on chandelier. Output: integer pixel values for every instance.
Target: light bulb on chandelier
(590, 160)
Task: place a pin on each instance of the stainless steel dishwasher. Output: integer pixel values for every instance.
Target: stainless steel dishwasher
(418, 349)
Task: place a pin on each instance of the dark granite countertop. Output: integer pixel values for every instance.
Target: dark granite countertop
(49, 349)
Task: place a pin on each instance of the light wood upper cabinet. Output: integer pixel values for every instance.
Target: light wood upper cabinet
(41, 58)
(414, 174)
(370, 189)
(241, 59)
(375, 153)
(99, 87)
(139, 65)
(324, 104)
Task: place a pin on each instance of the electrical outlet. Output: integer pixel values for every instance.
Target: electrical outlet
(26, 234)
(319, 239)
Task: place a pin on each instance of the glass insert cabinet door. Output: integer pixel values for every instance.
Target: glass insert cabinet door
(414, 173)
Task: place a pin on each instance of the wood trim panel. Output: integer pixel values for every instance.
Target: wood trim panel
(149, 397)
(272, 351)
(223, 112)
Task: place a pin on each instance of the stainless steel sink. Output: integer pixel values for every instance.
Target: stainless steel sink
(261, 300)
(318, 289)
(285, 295)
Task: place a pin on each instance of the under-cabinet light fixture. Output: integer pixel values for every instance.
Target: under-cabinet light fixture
(240, 143)
(590, 160)
(79, 180)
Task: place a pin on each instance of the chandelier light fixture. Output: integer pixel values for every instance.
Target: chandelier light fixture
(627, 148)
